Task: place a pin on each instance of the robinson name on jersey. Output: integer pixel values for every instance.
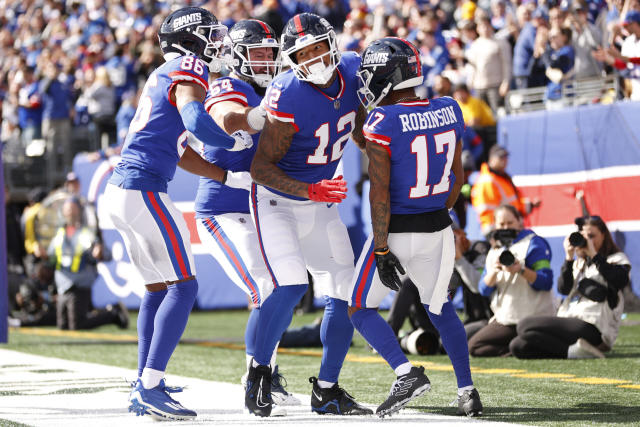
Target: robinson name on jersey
(428, 119)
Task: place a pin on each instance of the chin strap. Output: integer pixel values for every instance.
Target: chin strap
(384, 93)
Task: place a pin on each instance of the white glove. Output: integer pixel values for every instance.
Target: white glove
(241, 180)
(243, 140)
(256, 117)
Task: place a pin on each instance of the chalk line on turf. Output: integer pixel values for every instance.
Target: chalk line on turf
(43, 391)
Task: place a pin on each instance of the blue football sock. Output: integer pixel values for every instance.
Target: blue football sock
(170, 321)
(146, 316)
(275, 315)
(250, 331)
(336, 333)
(379, 334)
(454, 340)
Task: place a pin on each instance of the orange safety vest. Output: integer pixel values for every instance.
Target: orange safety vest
(489, 192)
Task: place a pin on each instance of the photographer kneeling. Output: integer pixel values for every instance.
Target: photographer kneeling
(518, 278)
(589, 317)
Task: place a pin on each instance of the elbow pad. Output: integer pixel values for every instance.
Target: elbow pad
(202, 126)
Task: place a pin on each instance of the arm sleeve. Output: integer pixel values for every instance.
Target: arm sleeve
(202, 126)
(538, 259)
(565, 281)
(485, 290)
(617, 276)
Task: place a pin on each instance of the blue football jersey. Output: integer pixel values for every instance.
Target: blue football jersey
(323, 123)
(421, 138)
(213, 198)
(157, 137)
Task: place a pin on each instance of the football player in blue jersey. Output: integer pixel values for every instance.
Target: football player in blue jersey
(223, 220)
(153, 229)
(312, 110)
(415, 168)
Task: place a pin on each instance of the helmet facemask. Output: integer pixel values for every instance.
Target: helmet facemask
(217, 46)
(368, 98)
(218, 50)
(314, 70)
(247, 65)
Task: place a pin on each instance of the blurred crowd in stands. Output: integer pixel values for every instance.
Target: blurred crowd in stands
(70, 70)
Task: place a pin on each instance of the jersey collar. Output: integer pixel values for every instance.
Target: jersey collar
(340, 92)
(415, 103)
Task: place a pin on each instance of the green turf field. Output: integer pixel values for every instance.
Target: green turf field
(541, 392)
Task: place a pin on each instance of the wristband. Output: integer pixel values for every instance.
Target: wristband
(381, 251)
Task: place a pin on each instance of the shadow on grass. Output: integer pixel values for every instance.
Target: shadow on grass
(621, 351)
(623, 355)
(591, 412)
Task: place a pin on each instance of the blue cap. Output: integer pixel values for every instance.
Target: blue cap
(631, 16)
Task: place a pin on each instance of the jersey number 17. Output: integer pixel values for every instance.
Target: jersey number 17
(420, 147)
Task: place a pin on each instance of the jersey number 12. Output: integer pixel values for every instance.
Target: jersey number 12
(319, 157)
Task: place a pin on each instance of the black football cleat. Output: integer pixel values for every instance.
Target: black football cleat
(403, 390)
(257, 398)
(334, 400)
(469, 404)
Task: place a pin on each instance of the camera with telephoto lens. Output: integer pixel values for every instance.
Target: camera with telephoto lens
(577, 240)
(505, 237)
(419, 342)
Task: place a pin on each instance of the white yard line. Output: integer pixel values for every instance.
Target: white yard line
(45, 391)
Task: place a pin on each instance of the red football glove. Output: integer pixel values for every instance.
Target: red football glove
(328, 190)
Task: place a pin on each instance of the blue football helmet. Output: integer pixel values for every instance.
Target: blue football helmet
(250, 34)
(197, 32)
(388, 64)
(304, 30)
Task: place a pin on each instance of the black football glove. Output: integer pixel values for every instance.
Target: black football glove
(387, 263)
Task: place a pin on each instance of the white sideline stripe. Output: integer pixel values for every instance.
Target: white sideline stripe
(216, 403)
(576, 177)
(564, 230)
